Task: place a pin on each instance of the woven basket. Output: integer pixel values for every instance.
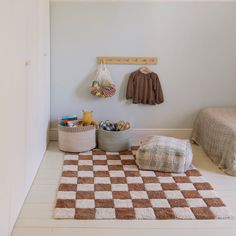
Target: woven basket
(76, 139)
(114, 141)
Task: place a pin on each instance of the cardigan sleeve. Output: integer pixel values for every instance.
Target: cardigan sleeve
(159, 97)
(130, 87)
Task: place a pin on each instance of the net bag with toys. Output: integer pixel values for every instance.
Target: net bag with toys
(103, 85)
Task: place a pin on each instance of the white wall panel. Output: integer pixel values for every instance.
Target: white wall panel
(24, 94)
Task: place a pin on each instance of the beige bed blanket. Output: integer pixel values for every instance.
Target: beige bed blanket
(215, 130)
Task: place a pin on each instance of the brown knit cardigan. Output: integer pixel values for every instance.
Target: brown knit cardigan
(144, 88)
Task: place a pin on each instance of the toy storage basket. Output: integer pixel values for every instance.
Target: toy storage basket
(114, 141)
(76, 139)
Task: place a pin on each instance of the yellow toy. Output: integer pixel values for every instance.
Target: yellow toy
(88, 118)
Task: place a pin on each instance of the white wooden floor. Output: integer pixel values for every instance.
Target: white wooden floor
(36, 215)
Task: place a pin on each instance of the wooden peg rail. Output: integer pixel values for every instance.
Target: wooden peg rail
(128, 60)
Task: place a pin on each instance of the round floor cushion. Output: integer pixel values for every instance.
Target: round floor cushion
(164, 154)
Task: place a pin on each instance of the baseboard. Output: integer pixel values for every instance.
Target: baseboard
(53, 134)
(139, 134)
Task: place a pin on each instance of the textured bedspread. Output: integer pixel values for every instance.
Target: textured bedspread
(215, 130)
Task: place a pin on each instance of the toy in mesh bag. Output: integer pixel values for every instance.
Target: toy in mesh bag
(103, 85)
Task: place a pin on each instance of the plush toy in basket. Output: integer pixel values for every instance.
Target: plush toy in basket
(88, 118)
(111, 126)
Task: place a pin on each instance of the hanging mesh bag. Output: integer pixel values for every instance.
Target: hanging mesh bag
(103, 85)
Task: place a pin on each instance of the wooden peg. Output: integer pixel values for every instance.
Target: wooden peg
(128, 60)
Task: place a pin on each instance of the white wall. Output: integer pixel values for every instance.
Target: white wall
(195, 44)
(22, 146)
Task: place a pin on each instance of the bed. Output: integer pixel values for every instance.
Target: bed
(215, 130)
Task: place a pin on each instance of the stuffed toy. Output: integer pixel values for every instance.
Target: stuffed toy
(88, 118)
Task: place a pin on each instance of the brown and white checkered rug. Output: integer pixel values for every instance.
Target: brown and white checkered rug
(105, 185)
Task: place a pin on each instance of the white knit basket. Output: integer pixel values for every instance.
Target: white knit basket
(76, 139)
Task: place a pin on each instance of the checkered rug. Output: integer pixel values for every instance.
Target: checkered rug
(109, 185)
